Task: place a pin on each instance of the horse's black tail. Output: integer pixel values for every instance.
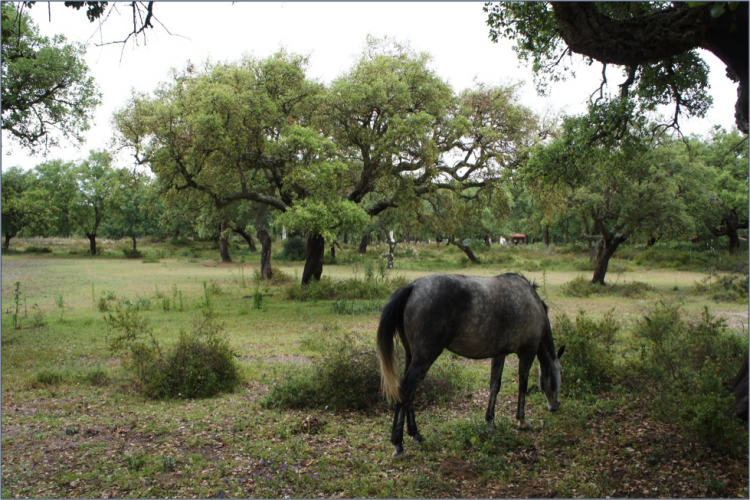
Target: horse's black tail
(391, 320)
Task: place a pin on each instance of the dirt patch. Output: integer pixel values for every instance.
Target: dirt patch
(455, 468)
(735, 320)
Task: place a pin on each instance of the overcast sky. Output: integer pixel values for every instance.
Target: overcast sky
(333, 35)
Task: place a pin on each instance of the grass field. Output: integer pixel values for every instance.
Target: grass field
(82, 435)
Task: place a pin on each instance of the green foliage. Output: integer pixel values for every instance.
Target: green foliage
(725, 288)
(580, 286)
(536, 31)
(294, 248)
(37, 249)
(46, 84)
(352, 289)
(129, 253)
(685, 366)
(347, 376)
(589, 362)
(201, 364)
(477, 436)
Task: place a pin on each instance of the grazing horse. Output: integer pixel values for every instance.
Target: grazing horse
(474, 317)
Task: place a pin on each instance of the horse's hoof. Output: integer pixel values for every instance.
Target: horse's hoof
(417, 437)
(399, 455)
(524, 425)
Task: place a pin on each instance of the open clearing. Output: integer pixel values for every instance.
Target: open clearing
(84, 440)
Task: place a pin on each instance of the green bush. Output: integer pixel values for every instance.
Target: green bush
(351, 289)
(589, 361)
(294, 248)
(37, 249)
(201, 364)
(581, 286)
(727, 288)
(684, 366)
(347, 376)
(132, 254)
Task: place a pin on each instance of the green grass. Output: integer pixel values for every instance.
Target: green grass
(74, 424)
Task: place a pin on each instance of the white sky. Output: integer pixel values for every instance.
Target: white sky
(333, 34)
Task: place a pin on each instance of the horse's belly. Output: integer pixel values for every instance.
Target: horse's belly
(478, 348)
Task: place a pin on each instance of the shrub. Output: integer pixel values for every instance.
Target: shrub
(727, 288)
(582, 287)
(294, 248)
(589, 361)
(347, 376)
(351, 289)
(132, 254)
(578, 287)
(684, 366)
(201, 364)
(37, 249)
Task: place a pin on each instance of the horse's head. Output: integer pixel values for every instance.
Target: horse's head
(549, 381)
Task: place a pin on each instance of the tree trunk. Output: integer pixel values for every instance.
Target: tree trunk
(247, 237)
(265, 254)
(730, 225)
(333, 253)
(366, 238)
(487, 241)
(223, 242)
(346, 238)
(92, 243)
(314, 252)
(8, 236)
(134, 243)
(606, 249)
(546, 236)
(391, 251)
(466, 250)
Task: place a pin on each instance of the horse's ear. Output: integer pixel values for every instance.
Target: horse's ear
(560, 352)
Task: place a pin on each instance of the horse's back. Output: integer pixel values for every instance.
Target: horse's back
(473, 316)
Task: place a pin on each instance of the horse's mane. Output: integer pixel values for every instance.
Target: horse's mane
(534, 286)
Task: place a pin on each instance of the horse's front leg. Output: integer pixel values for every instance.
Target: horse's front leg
(496, 376)
(524, 365)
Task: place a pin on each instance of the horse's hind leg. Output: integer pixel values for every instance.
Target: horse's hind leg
(413, 376)
(524, 365)
(496, 376)
(411, 424)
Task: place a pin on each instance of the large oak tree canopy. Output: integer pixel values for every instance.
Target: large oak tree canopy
(648, 39)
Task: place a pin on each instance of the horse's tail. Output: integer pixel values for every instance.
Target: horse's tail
(391, 319)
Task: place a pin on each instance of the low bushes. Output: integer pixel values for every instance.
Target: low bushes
(582, 287)
(201, 363)
(294, 249)
(589, 360)
(347, 376)
(351, 289)
(684, 366)
(728, 288)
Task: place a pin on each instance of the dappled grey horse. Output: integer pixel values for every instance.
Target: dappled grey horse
(474, 317)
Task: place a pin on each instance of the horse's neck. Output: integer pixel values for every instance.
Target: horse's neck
(546, 352)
